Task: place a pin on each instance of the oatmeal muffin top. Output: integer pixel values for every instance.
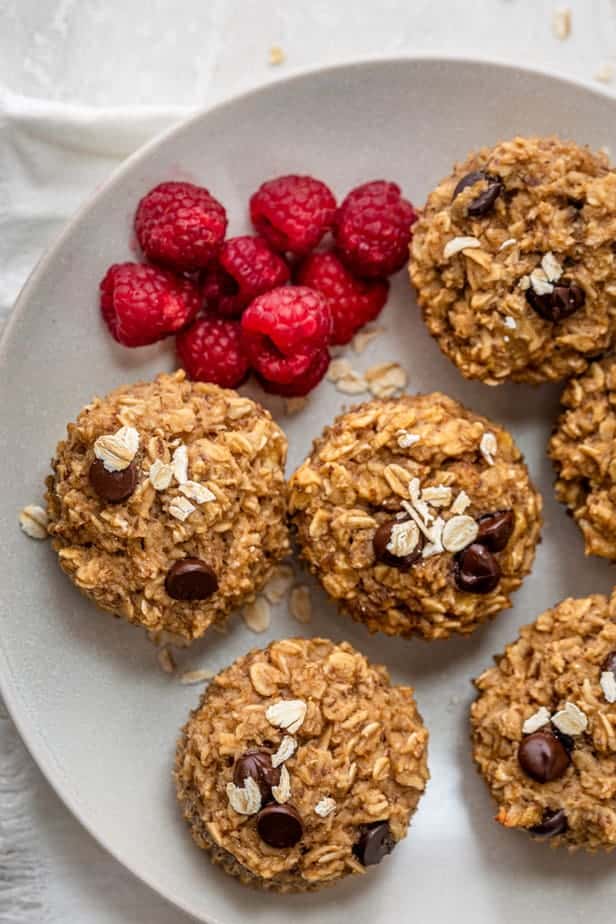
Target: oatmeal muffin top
(582, 449)
(167, 502)
(417, 516)
(544, 726)
(301, 765)
(513, 264)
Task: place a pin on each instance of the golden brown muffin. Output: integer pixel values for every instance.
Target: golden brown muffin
(416, 515)
(301, 765)
(167, 503)
(544, 726)
(513, 263)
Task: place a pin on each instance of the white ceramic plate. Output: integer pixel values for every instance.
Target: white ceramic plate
(85, 690)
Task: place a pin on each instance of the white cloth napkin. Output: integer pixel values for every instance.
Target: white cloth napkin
(52, 156)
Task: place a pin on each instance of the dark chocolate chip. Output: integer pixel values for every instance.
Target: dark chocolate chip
(476, 570)
(375, 842)
(191, 579)
(566, 740)
(542, 757)
(380, 541)
(553, 823)
(483, 203)
(564, 300)
(113, 487)
(257, 764)
(279, 825)
(610, 663)
(575, 202)
(495, 529)
(468, 180)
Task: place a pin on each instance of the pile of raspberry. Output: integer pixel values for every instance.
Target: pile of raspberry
(269, 303)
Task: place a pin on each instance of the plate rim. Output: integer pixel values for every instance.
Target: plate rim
(28, 733)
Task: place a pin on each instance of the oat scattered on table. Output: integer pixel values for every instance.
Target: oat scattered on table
(276, 56)
(561, 23)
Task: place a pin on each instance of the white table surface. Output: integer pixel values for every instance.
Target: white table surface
(188, 52)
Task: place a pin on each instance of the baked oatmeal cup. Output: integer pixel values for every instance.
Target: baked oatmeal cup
(582, 450)
(513, 264)
(301, 765)
(167, 503)
(544, 727)
(416, 515)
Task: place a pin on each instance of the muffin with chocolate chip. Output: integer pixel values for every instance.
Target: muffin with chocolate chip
(167, 503)
(417, 516)
(513, 261)
(301, 765)
(582, 450)
(544, 727)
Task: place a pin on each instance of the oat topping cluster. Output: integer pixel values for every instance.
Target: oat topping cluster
(301, 765)
(416, 515)
(513, 264)
(167, 503)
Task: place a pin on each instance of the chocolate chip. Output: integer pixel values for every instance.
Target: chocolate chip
(543, 757)
(476, 570)
(113, 487)
(191, 579)
(380, 541)
(567, 741)
(257, 764)
(375, 842)
(553, 823)
(564, 300)
(468, 180)
(610, 663)
(483, 203)
(495, 529)
(279, 825)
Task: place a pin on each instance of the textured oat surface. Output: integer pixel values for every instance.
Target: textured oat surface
(357, 476)
(557, 198)
(119, 554)
(582, 449)
(362, 743)
(556, 659)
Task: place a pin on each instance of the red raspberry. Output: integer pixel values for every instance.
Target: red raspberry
(180, 225)
(372, 229)
(293, 212)
(211, 350)
(352, 301)
(142, 304)
(283, 330)
(304, 383)
(246, 268)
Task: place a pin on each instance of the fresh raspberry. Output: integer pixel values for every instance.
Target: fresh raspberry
(303, 383)
(180, 225)
(372, 229)
(293, 212)
(142, 304)
(283, 330)
(211, 350)
(352, 301)
(246, 267)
